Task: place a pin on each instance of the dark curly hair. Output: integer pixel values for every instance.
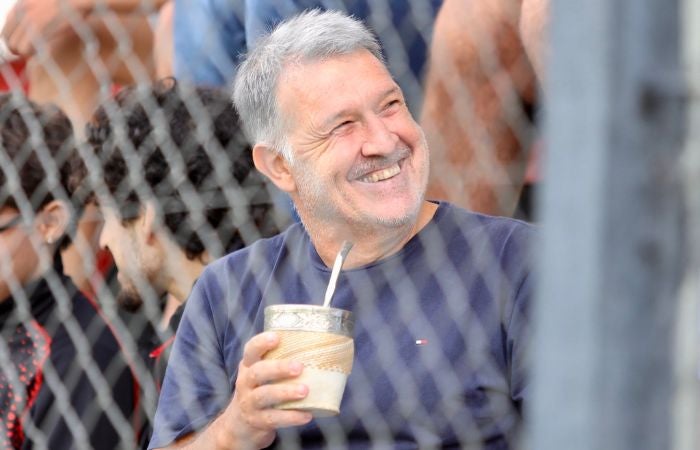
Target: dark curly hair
(184, 149)
(38, 155)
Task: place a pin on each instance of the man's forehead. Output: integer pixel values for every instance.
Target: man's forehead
(323, 87)
(315, 74)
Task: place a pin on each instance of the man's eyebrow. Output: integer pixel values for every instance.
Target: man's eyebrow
(335, 117)
(389, 92)
(346, 112)
(393, 90)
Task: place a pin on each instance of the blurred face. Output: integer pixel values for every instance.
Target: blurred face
(19, 259)
(359, 158)
(136, 265)
(86, 241)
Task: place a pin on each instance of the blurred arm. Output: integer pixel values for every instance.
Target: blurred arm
(473, 114)
(30, 20)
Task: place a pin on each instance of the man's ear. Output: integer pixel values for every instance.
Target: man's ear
(53, 220)
(274, 166)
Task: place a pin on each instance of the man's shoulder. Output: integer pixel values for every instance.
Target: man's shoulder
(450, 215)
(468, 234)
(243, 273)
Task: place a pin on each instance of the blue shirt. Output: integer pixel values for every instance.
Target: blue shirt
(440, 335)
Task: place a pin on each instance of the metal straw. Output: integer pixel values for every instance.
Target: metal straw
(339, 260)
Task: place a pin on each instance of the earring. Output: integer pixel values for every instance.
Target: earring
(50, 240)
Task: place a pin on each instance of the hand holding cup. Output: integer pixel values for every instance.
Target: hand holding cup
(252, 418)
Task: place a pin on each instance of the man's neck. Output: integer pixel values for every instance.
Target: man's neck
(182, 272)
(369, 244)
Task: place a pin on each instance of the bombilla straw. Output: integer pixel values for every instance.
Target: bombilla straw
(339, 260)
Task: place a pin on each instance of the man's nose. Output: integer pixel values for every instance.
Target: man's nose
(379, 139)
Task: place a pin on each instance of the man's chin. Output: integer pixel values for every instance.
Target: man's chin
(399, 218)
(395, 222)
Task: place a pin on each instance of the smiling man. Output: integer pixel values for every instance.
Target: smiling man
(329, 184)
(439, 295)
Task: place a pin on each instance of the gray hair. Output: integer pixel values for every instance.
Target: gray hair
(310, 36)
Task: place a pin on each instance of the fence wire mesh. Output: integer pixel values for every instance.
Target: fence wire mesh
(136, 233)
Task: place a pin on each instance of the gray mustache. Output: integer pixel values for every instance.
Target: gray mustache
(379, 162)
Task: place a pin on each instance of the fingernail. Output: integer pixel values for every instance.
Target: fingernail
(302, 390)
(295, 367)
(270, 337)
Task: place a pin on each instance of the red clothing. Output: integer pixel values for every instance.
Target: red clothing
(13, 76)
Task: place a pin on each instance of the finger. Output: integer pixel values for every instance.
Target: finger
(257, 346)
(280, 418)
(271, 395)
(268, 371)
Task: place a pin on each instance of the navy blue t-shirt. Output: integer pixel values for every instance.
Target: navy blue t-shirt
(440, 335)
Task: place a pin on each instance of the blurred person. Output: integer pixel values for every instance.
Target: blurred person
(212, 35)
(164, 40)
(439, 295)
(208, 40)
(533, 25)
(404, 30)
(76, 49)
(478, 114)
(64, 382)
(132, 43)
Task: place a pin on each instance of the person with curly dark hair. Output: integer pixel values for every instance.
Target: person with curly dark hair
(173, 177)
(56, 350)
(177, 188)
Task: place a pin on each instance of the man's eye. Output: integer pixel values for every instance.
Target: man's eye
(343, 126)
(392, 104)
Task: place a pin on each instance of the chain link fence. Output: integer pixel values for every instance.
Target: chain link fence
(127, 182)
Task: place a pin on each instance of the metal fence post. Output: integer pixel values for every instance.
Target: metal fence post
(614, 228)
(686, 434)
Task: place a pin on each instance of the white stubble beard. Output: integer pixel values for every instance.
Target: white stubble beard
(323, 210)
